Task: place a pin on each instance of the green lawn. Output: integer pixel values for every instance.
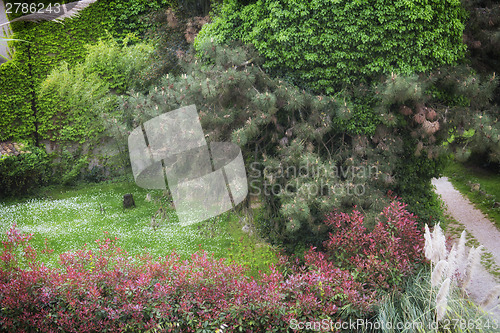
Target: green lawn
(462, 175)
(71, 218)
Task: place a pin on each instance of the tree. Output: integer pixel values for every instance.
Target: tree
(300, 158)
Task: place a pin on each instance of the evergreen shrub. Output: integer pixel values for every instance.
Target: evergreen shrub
(20, 174)
(304, 153)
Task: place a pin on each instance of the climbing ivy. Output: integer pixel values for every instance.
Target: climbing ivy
(43, 45)
(330, 44)
(72, 99)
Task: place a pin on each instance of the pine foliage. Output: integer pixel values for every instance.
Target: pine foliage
(301, 160)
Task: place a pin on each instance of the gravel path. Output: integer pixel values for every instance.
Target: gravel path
(482, 229)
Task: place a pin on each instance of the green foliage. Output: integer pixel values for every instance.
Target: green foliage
(257, 257)
(423, 111)
(69, 167)
(20, 174)
(95, 175)
(482, 35)
(125, 17)
(72, 99)
(170, 35)
(419, 195)
(326, 45)
(17, 120)
(301, 161)
(309, 154)
(42, 46)
(472, 109)
(118, 66)
(415, 305)
(68, 102)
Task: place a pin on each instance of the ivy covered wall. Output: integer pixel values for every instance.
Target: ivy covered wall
(326, 45)
(43, 45)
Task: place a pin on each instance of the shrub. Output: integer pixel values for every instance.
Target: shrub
(281, 128)
(72, 98)
(20, 174)
(106, 290)
(327, 44)
(380, 258)
(118, 65)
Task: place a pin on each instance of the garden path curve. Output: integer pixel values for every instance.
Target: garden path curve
(482, 229)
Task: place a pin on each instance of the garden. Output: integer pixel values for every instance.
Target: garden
(117, 117)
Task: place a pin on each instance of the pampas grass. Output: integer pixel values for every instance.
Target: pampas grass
(442, 299)
(412, 311)
(428, 250)
(432, 299)
(452, 269)
(435, 244)
(473, 262)
(452, 262)
(459, 267)
(439, 245)
(461, 253)
(438, 273)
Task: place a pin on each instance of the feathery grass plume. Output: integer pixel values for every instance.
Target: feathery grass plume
(473, 262)
(493, 296)
(452, 262)
(68, 10)
(414, 306)
(461, 257)
(438, 245)
(442, 299)
(438, 272)
(428, 243)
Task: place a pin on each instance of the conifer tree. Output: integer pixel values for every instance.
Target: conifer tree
(307, 162)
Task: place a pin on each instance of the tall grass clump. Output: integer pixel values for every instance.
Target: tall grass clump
(415, 309)
(435, 299)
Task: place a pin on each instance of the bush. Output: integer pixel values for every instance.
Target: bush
(106, 290)
(73, 98)
(20, 174)
(118, 65)
(326, 44)
(380, 258)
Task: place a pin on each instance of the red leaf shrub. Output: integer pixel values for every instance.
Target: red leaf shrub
(106, 290)
(382, 257)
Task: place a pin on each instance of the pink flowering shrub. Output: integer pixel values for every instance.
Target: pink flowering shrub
(382, 257)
